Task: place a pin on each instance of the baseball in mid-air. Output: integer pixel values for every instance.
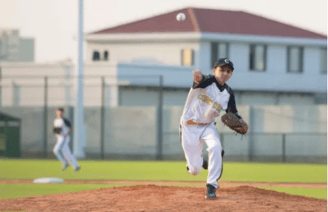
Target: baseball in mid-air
(181, 17)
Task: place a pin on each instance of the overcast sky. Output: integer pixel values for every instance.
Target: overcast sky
(53, 23)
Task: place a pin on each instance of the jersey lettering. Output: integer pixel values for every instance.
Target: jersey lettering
(204, 98)
(217, 107)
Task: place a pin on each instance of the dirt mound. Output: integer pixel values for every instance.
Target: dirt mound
(163, 198)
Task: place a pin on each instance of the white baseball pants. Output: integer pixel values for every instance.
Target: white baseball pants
(62, 151)
(192, 138)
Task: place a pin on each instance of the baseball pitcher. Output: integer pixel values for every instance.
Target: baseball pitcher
(208, 97)
(61, 128)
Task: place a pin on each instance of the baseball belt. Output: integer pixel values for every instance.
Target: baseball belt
(191, 122)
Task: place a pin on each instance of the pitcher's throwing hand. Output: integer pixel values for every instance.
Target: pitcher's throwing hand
(197, 75)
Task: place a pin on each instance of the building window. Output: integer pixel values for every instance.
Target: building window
(219, 50)
(323, 61)
(96, 56)
(295, 59)
(257, 57)
(106, 55)
(187, 57)
(223, 50)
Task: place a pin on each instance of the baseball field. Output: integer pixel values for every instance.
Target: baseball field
(160, 186)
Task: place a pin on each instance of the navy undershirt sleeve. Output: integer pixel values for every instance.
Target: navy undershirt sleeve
(67, 123)
(232, 104)
(207, 80)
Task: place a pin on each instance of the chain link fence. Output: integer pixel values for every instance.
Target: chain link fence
(127, 118)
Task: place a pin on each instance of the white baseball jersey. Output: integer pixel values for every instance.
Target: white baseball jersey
(206, 100)
(64, 124)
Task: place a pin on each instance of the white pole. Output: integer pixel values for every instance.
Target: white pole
(79, 128)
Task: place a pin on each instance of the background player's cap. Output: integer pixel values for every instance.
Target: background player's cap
(222, 62)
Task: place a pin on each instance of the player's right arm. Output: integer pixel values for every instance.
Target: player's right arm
(197, 76)
(201, 80)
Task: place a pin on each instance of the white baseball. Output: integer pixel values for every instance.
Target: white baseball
(181, 17)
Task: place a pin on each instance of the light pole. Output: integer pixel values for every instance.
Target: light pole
(0, 86)
(4, 56)
(79, 128)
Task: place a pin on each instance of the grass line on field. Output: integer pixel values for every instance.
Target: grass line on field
(186, 183)
(163, 170)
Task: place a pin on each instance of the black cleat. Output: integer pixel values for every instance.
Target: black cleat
(205, 165)
(211, 192)
(65, 167)
(77, 168)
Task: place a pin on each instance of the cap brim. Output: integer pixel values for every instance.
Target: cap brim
(226, 64)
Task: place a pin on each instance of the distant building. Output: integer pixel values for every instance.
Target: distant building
(14, 48)
(37, 84)
(27, 84)
(275, 63)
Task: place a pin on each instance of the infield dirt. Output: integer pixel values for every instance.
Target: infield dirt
(164, 198)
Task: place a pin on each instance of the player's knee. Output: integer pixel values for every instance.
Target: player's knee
(55, 151)
(195, 171)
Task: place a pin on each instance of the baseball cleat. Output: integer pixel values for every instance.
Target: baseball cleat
(210, 192)
(205, 165)
(64, 167)
(77, 168)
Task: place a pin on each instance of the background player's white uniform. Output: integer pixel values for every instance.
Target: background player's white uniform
(204, 103)
(61, 149)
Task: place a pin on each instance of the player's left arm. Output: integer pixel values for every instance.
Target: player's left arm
(233, 108)
(68, 124)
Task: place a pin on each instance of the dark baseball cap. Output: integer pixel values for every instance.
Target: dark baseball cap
(222, 62)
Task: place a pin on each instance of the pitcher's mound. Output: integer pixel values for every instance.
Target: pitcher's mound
(163, 198)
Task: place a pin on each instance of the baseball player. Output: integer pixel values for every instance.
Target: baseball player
(208, 96)
(62, 127)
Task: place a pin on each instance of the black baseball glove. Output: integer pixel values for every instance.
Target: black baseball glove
(57, 130)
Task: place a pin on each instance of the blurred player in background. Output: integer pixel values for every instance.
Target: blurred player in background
(208, 96)
(61, 128)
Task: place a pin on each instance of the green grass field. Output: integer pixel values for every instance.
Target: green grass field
(152, 171)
